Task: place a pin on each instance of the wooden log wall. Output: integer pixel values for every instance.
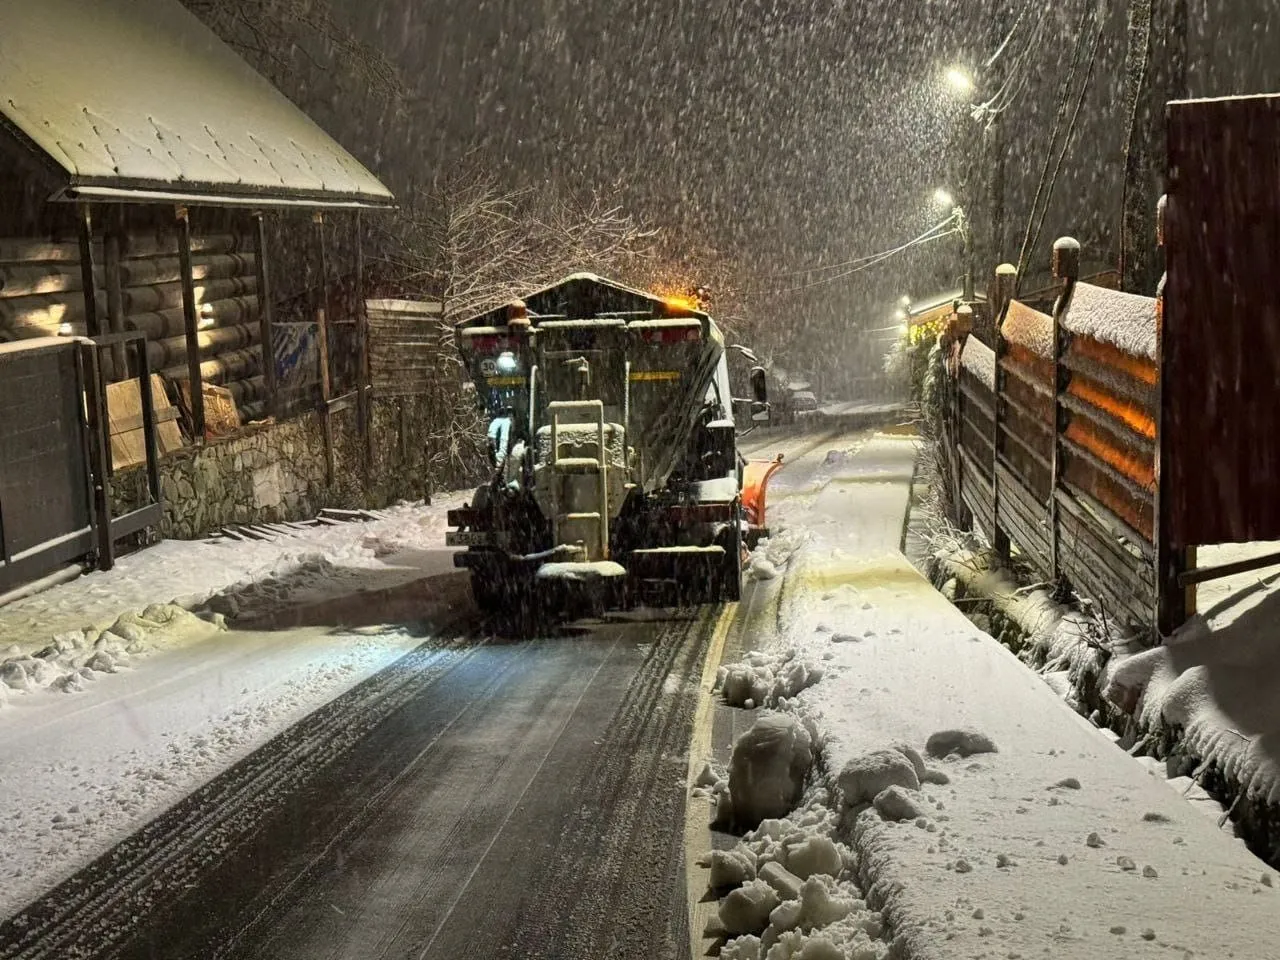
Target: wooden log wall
(42, 294)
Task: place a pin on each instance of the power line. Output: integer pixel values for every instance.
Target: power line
(873, 261)
(857, 261)
(1064, 101)
(1071, 129)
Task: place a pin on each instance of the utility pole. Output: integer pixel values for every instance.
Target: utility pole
(992, 82)
(1155, 73)
(966, 236)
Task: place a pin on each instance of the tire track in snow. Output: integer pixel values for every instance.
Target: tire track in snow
(616, 878)
(99, 908)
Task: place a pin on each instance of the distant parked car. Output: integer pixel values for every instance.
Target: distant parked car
(803, 401)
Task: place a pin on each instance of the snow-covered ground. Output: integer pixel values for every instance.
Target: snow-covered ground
(983, 816)
(117, 701)
(1204, 702)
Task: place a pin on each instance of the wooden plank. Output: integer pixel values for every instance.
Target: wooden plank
(1076, 541)
(1124, 434)
(1130, 389)
(1110, 529)
(1026, 500)
(983, 403)
(1020, 438)
(1032, 544)
(1124, 602)
(124, 413)
(1026, 519)
(1137, 491)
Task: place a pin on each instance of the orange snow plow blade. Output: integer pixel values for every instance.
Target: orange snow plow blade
(755, 487)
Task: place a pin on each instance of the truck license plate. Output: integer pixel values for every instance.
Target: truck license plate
(468, 538)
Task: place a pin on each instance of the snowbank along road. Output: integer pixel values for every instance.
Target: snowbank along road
(976, 814)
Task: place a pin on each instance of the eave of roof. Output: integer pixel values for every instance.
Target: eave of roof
(138, 101)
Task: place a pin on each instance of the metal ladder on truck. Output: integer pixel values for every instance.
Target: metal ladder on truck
(566, 469)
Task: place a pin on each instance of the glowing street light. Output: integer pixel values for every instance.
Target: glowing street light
(905, 302)
(943, 198)
(960, 82)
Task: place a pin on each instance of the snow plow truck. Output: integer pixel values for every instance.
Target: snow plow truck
(616, 471)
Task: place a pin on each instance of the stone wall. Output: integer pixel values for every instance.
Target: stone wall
(276, 472)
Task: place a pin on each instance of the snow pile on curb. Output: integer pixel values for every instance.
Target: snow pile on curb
(1205, 705)
(767, 679)
(79, 657)
(787, 887)
(771, 555)
(189, 573)
(788, 891)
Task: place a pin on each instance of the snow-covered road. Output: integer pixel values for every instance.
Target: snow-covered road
(310, 781)
(117, 702)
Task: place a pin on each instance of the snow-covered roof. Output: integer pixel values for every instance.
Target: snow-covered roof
(1029, 328)
(979, 360)
(1123, 320)
(137, 100)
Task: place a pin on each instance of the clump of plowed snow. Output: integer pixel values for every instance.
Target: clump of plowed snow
(79, 657)
(766, 679)
(787, 891)
(768, 767)
(772, 554)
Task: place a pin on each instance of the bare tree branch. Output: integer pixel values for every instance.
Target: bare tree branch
(272, 30)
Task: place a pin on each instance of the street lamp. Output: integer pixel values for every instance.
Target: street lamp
(960, 82)
(943, 198)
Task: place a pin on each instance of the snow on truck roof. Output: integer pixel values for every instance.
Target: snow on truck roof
(137, 100)
(583, 296)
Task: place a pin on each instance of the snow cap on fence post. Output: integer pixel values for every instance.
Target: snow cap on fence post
(1066, 259)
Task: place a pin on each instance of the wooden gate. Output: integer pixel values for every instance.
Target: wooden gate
(46, 511)
(55, 455)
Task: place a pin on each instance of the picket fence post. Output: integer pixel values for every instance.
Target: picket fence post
(1066, 269)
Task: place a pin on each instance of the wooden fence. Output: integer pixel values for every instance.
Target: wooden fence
(1054, 431)
(1105, 436)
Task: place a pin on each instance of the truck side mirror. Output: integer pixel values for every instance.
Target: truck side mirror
(759, 385)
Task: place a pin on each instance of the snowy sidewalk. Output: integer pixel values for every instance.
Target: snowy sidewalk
(1058, 844)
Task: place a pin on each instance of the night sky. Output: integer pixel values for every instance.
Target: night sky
(787, 132)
